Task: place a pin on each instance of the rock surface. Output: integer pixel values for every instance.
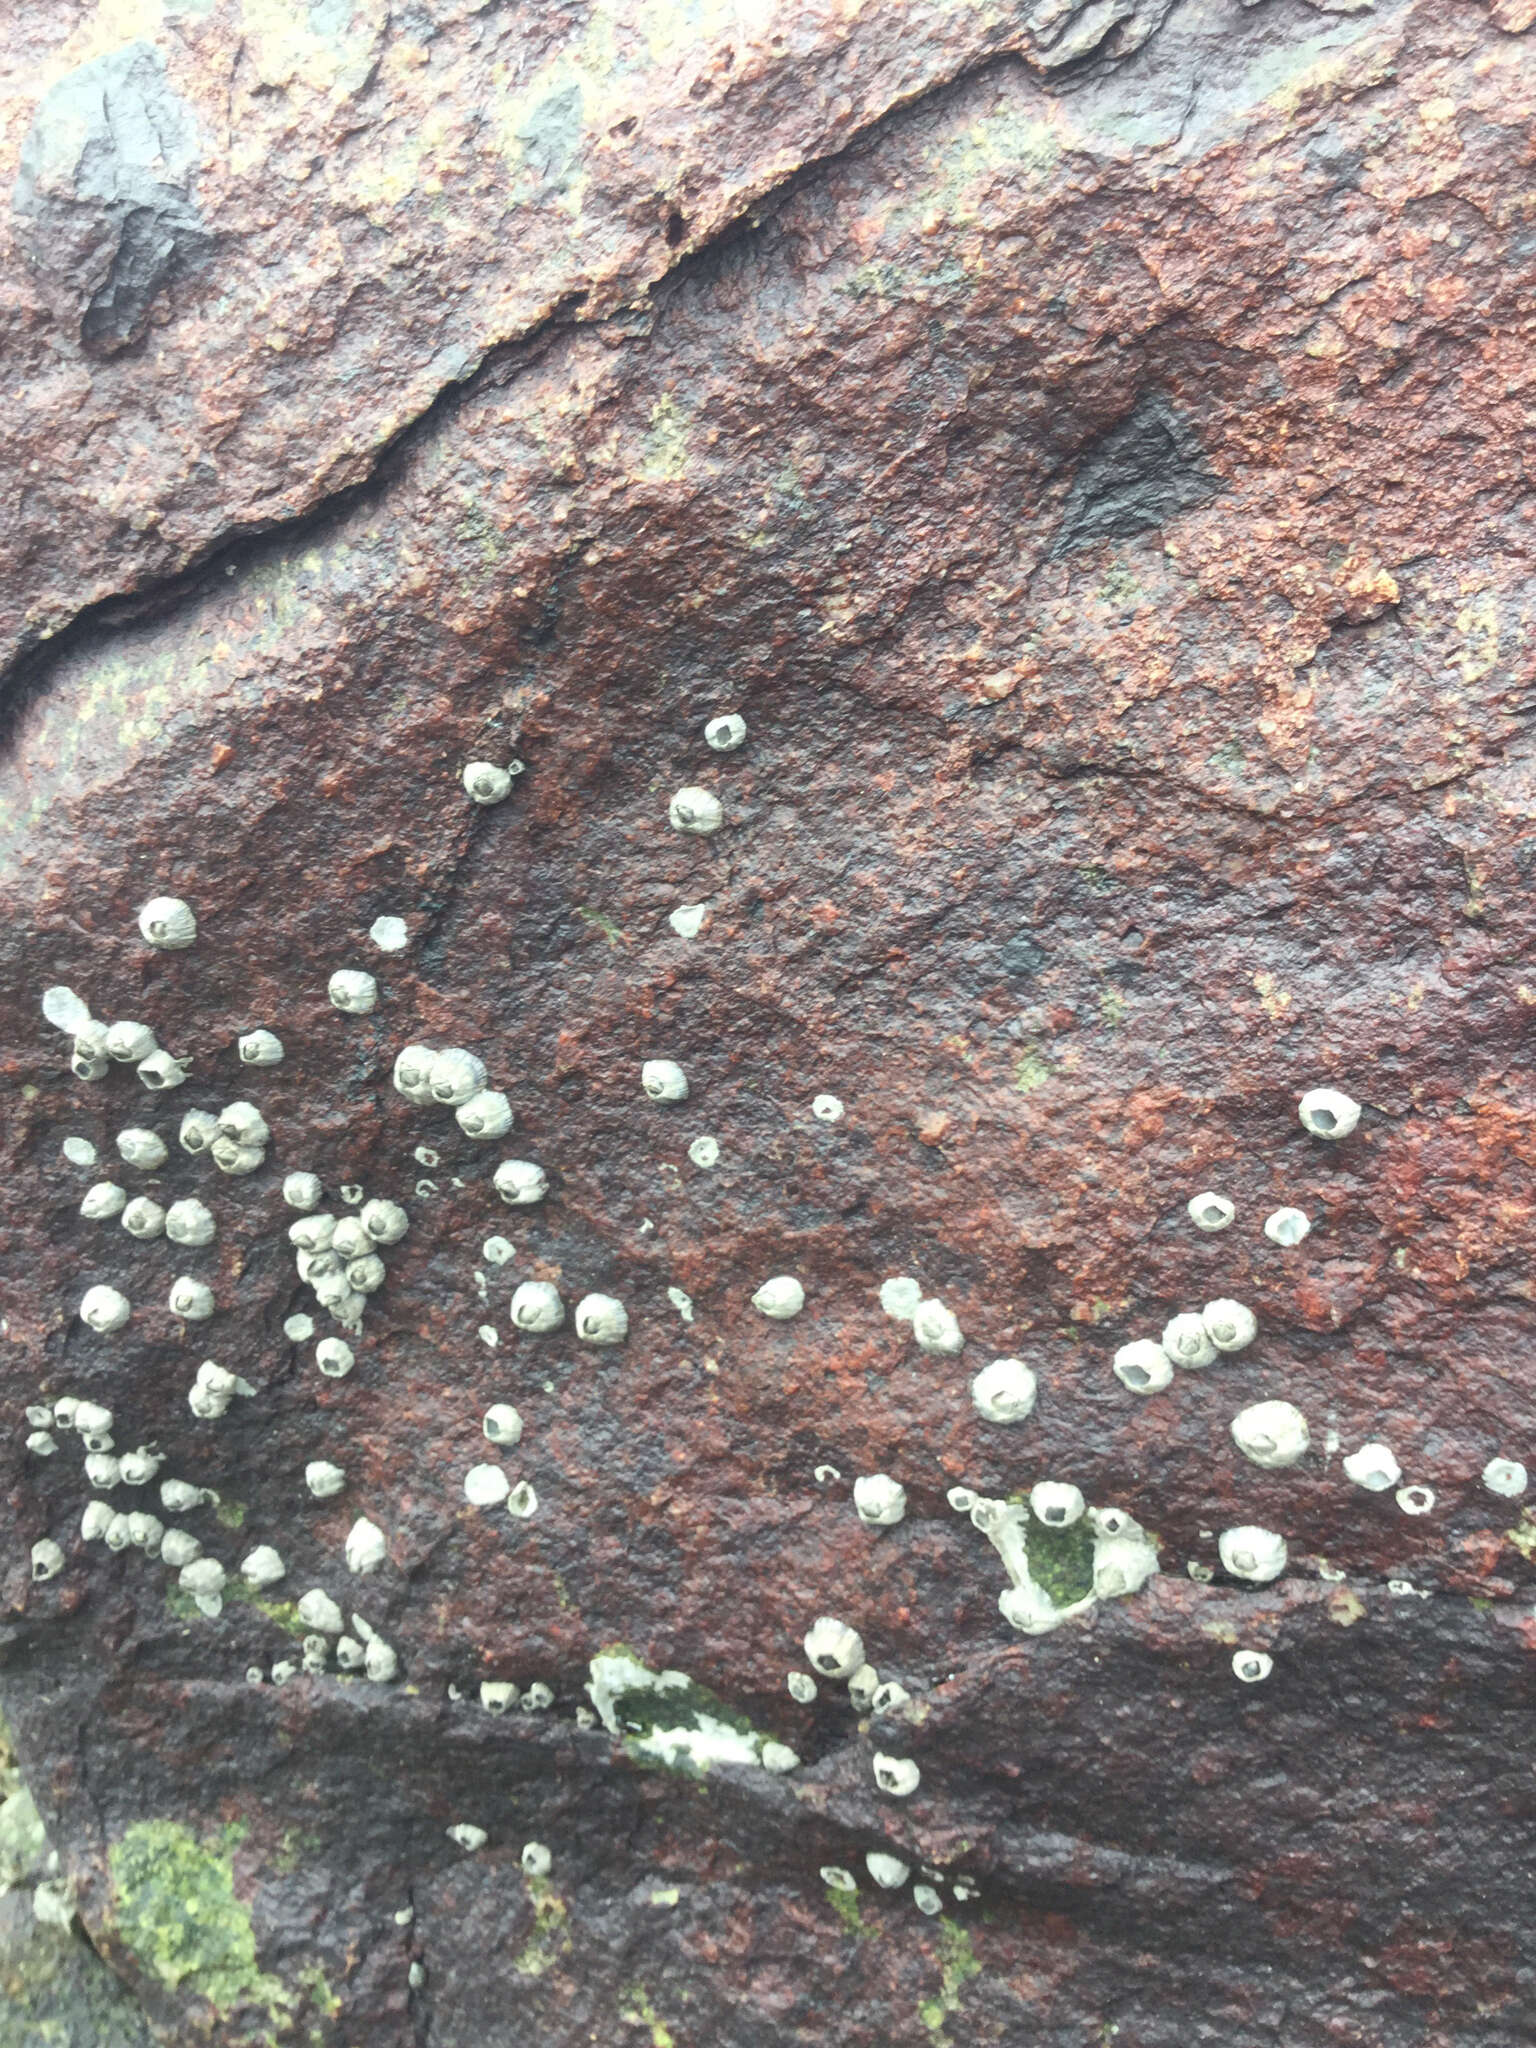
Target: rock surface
(1089, 449)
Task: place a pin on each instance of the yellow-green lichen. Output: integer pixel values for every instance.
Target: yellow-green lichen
(845, 1904)
(638, 2011)
(549, 1940)
(957, 1965)
(173, 1905)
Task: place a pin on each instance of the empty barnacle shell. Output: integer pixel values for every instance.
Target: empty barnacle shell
(454, 1076)
(664, 1081)
(780, 1298)
(889, 1698)
(143, 1218)
(1287, 1227)
(520, 1183)
(163, 1070)
(1273, 1434)
(47, 1560)
(103, 1201)
(1326, 1113)
(863, 1685)
(467, 1835)
(601, 1320)
(726, 732)
(334, 1357)
(350, 1653)
(486, 1486)
(86, 1064)
(1210, 1211)
(827, 1109)
(1251, 1666)
(259, 1049)
(1416, 1500)
(536, 1306)
(188, 1222)
(487, 1114)
(1004, 1391)
(199, 1128)
(353, 990)
(485, 783)
(522, 1501)
(1056, 1504)
(879, 1501)
(385, 1222)
(936, 1329)
(1187, 1341)
(1144, 1367)
(897, 1775)
(1257, 1555)
(413, 1074)
(263, 1567)
(141, 1148)
(302, 1190)
(889, 1872)
(129, 1042)
(168, 924)
(695, 810)
(104, 1309)
(833, 1648)
(190, 1299)
(537, 1862)
(502, 1424)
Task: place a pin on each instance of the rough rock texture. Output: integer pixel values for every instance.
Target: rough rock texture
(1102, 486)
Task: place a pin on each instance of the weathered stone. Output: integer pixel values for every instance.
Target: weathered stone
(1102, 496)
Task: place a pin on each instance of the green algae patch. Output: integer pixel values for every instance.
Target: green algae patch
(550, 1939)
(236, 1593)
(957, 1966)
(174, 1906)
(668, 1718)
(1061, 1560)
(845, 1905)
(638, 2011)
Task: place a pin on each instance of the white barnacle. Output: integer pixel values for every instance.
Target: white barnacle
(349, 1240)
(199, 1128)
(454, 1076)
(365, 1275)
(889, 1698)
(705, 1152)
(863, 1686)
(1210, 1211)
(1416, 1500)
(66, 1011)
(143, 1218)
(1004, 1391)
(538, 1699)
(230, 1156)
(244, 1123)
(189, 1222)
(802, 1686)
(889, 1872)
(47, 1560)
(349, 1653)
(91, 1420)
(486, 783)
(498, 1251)
(96, 1520)
(385, 1222)
(1287, 1227)
(536, 1860)
(129, 1043)
(86, 1063)
(167, 923)
(313, 1233)
(879, 1501)
(467, 1835)
(380, 1662)
(179, 1547)
(103, 1309)
(1273, 1434)
(333, 1355)
(138, 1467)
(1056, 1504)
(259, 1049)
(537, 1307)
(263, 1567)
(79, 1151)
(389, 934)
(936, 1329)
(1326, 1113)
(413, 1074)
(350, 1193)
(203, 1579)
(833, 1648)
(352, 990)
(1373, 1467)
(1505, 1476)
(780, 1298)
(1229, 1325)
(1251, 1666)
(497, 1694)
(520, 1183)
(316, 1651)
(163, 1070)
(41, 1444)
(486, 1486)
(142, 1148)
(688, 919)
(827, 1109)
(190, 1299)
(1143, 1367)
(837, 1879)
(695, 810)
(324, 1479)
(725, 732)
(897, 1775)
(119, 1533)
(900, 1296)
(1188, 1342)
(502, 1424)
(103, 1201)
(179, 1495)
(366, 1548)
(927, 1900)
(316, 1609)
(487, 1114)
(601, 1320)
(664, 1081)
(145, 1532)
(1257, 1555)
(39, 1416)
(522, 1501)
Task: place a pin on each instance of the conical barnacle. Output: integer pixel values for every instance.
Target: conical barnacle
(189, 1222)
(601, 1320)
(485, 782)
(536, 1306)
(129, 1042)
(167, 923)
(487, 1114)
(664, 1081)
(352, 990)
(695, 810)
(454, 1076)
(259, 1049)
(1004, 1391)
(519, 1182)
(1327, 1113)
(162, 1071)
(725, 732)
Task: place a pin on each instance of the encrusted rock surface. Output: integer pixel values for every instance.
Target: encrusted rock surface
(1090, 450)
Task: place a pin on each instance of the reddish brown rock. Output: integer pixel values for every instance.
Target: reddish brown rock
(1103, 497)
